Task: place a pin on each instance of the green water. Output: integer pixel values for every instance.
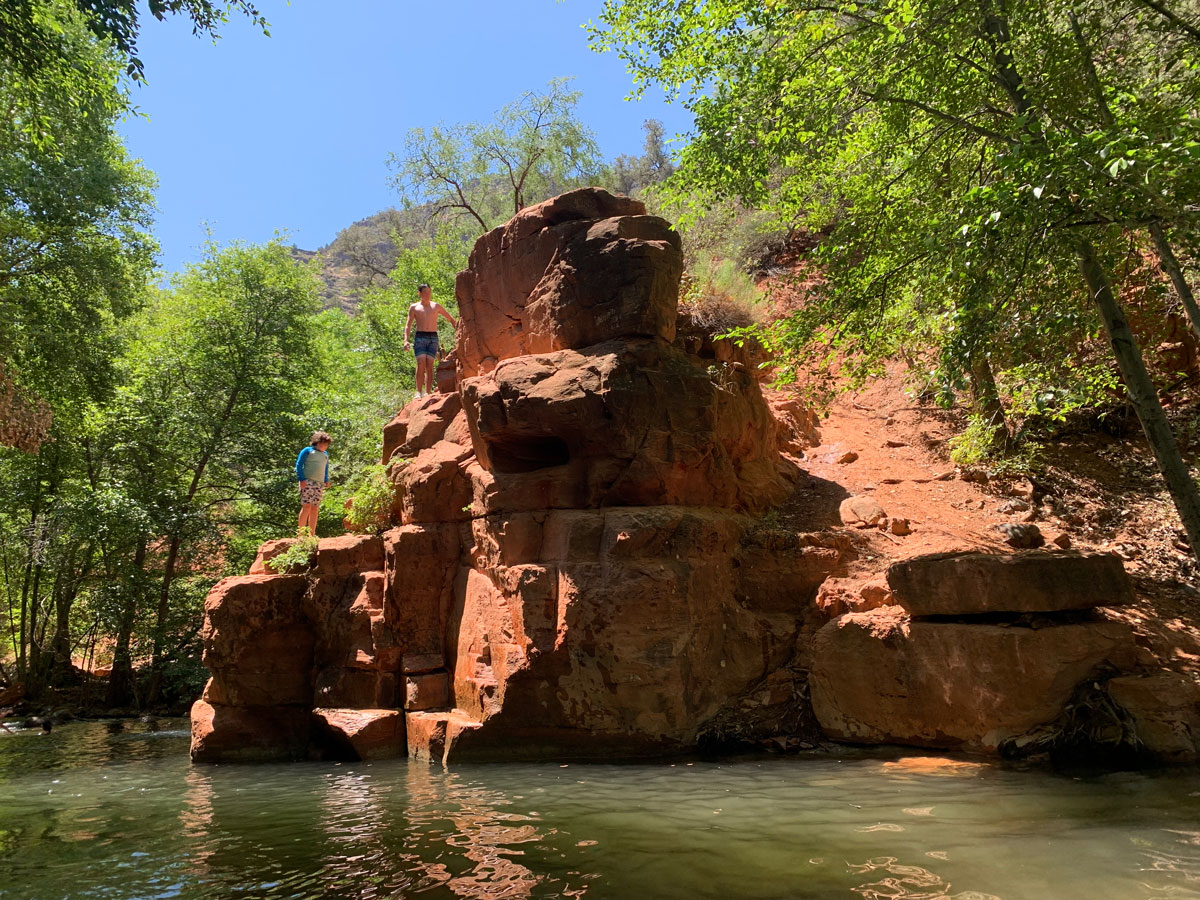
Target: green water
(114, 810)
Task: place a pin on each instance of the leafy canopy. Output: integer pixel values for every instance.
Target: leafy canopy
(535, 147)
(31, 35)
(955, 151)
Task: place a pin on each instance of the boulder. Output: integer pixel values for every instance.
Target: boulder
(838, 596)
(430, 690)
(445, 376)
(256, 641)
(881, 678)
(576, 563)
(267, 552)
(577, 270)
(356, 688)
(432, 735)
(249, 734)
(670, 435)
(861, 511)
(420, 425)
(969, 583)
(784, 576)
(347, 616)
(631, 634)
(1165, 708)
(796, 423)
(1021, 535)
(421, 565)
(433, 486)
(698, 335)
(361, 734)
(348, 555)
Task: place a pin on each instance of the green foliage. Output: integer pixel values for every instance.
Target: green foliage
(373, 495)
(434, 261)
(716, 228)
(718, 297)
(979, 165)
(484, 173)
(630, 175)
(976, 445)
(949, 185)
(74, 253)
(30, 30)
(1041, 392)
(299, 556)
(712, 278)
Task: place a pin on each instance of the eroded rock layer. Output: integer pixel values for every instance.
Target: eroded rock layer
(577, 561)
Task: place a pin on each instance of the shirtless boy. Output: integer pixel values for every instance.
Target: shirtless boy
(425, 343)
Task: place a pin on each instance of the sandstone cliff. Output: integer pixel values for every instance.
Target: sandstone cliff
(579, 562)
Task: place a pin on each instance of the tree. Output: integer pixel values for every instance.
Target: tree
(74, 211)
(630, 174)
(535, 147)
(209, 409)
(30, 37)
(957, 149)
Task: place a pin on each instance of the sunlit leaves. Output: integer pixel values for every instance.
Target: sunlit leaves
(483, 173)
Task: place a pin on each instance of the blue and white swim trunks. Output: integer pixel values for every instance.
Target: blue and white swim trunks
(425, 343)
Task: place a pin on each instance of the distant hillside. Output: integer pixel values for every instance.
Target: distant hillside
(363, 253)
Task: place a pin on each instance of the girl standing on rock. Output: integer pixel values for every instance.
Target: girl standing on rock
(312, 471)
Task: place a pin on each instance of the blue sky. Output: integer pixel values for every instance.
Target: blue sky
(254, 134)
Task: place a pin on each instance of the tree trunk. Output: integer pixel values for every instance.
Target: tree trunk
(60, 644)
(160, 622)
(986, 398)
(61, 669)
(33, 662)
(24, 619)
(120, 681)
(1143, 395)
(1170, 265)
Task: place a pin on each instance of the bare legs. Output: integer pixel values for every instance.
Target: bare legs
(308, 518)
(425, 366)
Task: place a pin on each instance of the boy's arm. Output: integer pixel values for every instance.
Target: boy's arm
(442, 312)
(300, 464)
(327, 471)
(408, 325)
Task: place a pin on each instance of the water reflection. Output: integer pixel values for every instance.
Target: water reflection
(478, 823)
(1176, 874)
(117, 813)
(907, 882)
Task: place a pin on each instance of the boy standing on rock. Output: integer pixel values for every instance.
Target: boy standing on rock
(425, 344)
(312, 471)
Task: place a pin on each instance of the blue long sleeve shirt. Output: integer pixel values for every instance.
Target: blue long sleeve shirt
(312, 465)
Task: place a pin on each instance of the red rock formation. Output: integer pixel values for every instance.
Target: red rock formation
(881, 678)
(956, 584)
(574, 271)
(957, 664)
(576, 565)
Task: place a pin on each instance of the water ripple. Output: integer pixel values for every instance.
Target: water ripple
(115, 812)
